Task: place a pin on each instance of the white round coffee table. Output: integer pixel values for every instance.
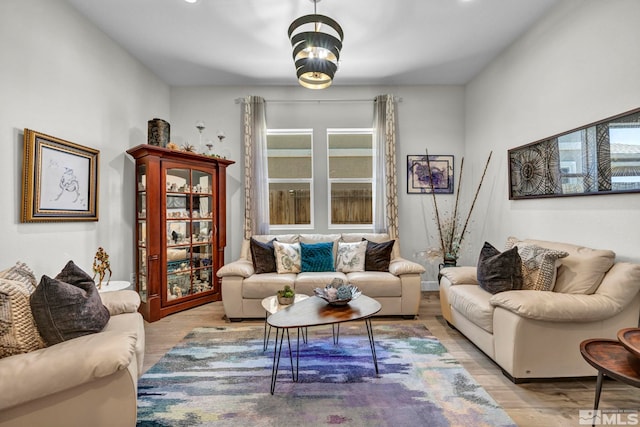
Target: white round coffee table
(271, 306)
(114, 285)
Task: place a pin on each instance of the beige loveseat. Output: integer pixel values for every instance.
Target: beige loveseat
(397, 290)
(85, 381)
(537, 334)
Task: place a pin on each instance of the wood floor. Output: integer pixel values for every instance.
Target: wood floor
(535, 404)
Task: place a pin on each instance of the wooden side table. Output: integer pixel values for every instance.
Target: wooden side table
(613, 359)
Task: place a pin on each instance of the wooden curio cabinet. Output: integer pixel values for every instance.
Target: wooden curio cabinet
(180, 228)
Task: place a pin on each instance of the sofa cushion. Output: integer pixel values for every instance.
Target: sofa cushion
(351, 256)
(307, 282)
(68, 306)
(372, 237)
(260, 286)
(378, 256)
(376, 284)
(539, 265)
(18, 331)
(288, 258)
(317, 256)
(245, 250)
(263, 256)
(499, 271)
(22, 273)
(582, 271)
(473, 303)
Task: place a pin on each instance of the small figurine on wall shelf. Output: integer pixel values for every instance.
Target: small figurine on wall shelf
(101, 265)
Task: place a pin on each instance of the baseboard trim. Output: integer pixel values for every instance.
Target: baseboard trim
(429, 285)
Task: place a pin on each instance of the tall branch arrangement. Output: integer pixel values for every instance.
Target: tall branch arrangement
(448, 230)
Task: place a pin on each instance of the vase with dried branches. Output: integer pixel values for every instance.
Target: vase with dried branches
(452, 228)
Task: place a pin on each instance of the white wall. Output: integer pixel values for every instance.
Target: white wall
(428, 116)
(578, 65)
(61, 76)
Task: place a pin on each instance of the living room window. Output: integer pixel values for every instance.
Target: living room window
(290, 176)
(350, 177)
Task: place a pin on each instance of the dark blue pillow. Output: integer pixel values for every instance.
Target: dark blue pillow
(317, 256)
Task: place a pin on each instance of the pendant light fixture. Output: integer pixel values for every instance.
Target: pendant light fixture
(316, 41)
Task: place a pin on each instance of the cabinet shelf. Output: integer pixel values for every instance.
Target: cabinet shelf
(181, 229)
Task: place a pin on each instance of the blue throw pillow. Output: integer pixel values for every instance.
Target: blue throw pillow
(317, 256)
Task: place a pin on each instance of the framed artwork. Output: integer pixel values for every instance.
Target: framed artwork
(419, 177)
(59, 180)
(598, 158)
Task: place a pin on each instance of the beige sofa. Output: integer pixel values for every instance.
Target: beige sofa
(85, 381)
(397, 290)
(536, 334)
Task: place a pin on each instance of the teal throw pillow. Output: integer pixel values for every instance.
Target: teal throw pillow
(317, 256)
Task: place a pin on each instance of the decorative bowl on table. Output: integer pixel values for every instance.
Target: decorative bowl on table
(285, 300)
(341, 295)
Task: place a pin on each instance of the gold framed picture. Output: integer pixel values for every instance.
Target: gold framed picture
(59, 180)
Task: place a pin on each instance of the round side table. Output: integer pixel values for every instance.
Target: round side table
(114, 285)
(613, 359)
(271, 306)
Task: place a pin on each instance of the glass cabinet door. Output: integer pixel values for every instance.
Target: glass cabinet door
(141, 224)
(188, 233)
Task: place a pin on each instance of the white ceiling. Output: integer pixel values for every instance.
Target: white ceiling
(244, 42)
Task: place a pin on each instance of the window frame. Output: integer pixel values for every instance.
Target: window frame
(330, 181)
(310, 181)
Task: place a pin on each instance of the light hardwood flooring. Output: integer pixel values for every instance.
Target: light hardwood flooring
(538, 404)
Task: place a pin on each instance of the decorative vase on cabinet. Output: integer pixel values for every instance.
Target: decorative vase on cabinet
(180, 229)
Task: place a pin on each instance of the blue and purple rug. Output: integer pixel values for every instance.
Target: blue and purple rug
(221, 377)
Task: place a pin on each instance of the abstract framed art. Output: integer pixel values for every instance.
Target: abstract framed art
(419, 178)
(59, 180)
(598, 158)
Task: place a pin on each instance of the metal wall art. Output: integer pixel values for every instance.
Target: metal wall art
(59, 180)
(600, 158)
(419, 176)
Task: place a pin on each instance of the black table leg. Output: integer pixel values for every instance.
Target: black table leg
(372, 343)
(277, 350)
(597, 400)
(267, 333)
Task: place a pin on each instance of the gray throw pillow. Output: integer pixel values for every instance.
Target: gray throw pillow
(499, 271)
(68, 306)
(263, 256)
(378, 256)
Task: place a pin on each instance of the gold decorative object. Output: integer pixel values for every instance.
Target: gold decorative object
(100, 266)
(188, 148)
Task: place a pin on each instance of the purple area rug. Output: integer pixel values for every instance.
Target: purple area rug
(221, 377)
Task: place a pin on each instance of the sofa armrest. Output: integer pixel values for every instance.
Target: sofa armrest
(461, 275)
(400, 266)
(118, 302)
(241, 267)
(557, 307)
(29, 376)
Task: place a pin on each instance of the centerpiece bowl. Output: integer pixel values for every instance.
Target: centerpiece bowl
(338, 295)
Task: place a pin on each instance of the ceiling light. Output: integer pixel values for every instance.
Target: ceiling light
(316, 48)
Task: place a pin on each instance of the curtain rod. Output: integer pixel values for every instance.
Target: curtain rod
(318, 101)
